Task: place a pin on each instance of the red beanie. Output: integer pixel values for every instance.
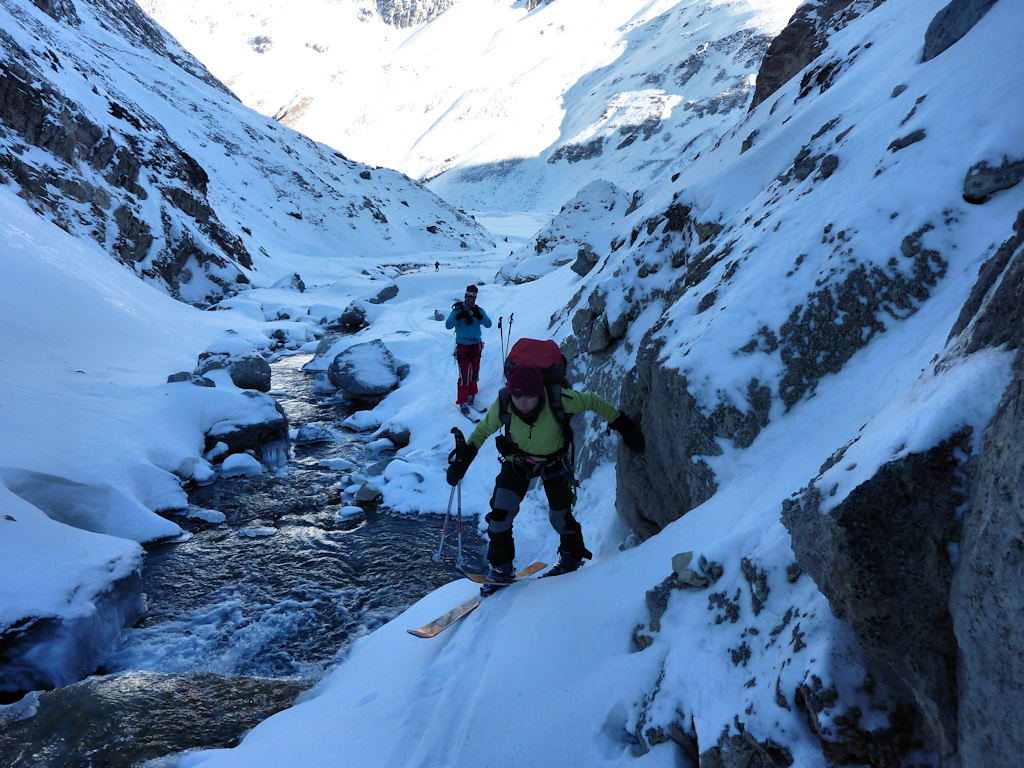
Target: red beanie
(525, 380)
(472, 289)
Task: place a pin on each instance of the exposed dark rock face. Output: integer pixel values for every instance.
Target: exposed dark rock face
(984, 180)
(669, 478)
(803, 40)
(881, 557)
(986, 602)
(952, 23)
(925, 559)
(128, 172)
(835, 321)
(409, 13)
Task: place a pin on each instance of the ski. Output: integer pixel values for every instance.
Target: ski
(469, 413)
(523, 575)
(441, 623)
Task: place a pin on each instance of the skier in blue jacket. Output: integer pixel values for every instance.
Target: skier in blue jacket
(468, 320)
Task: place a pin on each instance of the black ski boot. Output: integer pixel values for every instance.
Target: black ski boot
(499, 576)
(566, 564)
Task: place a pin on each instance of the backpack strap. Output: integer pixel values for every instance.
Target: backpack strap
(504, 400)
(554, 395)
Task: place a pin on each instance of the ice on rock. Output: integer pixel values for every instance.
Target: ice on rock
(241, 465)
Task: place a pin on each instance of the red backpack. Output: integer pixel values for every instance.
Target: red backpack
(546, 355)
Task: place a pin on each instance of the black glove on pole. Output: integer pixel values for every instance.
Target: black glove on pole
(630, 431)
(459, 459)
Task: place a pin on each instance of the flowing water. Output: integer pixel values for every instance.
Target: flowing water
(266, 593)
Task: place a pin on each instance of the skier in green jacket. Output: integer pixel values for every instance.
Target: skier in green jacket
(535, 444)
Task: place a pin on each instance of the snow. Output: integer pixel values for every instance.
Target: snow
(546, 668)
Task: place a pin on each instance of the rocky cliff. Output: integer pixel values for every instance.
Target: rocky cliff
(114, 132)
(919, 556)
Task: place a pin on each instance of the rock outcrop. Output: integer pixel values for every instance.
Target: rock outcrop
(951, 24)
(924, 560)
(803, 40)
(410, 13)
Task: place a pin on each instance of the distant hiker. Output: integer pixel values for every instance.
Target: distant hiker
(437, 265)
(535, 444)
(468, 320)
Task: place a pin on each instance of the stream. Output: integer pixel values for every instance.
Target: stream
(265, 593)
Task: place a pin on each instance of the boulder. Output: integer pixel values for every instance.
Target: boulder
(397, 433)
(984, 180)
(246, 371)
(191, 378)
(364, 371)
(952, 23)
(267, 438)
(292, 282)
(352, 319)
(386, 294)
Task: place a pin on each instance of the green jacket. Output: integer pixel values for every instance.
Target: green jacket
(544, 437)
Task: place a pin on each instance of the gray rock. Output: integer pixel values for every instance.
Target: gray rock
(802, 40)
(364, 371)
(881, 557)
(368, 494)
(986, 602)
(247, 372)
(983, 180)
(397, 433)
(191, 378)
(600, 339)
(586, 260)
(293, 282)
(670, 477)
(386, 294)
(268, 439)
(951, 23)
(352, 319)
(582, 319)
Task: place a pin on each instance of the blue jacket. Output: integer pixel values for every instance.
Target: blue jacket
(467, 331)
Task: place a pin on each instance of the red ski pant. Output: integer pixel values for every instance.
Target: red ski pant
(468, 357)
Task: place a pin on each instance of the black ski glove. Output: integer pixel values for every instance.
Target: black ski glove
(463, 315)
(477, 313)
(630, 431)
(458, 463)
(506, 445)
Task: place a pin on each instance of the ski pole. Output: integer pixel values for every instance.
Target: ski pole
(444, 529)
(460, 560)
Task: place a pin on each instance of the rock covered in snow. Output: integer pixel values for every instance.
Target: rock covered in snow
(191, 378)
(292, 282)
(365, 371)
(247, 371)
(585, 225)
(263, 430)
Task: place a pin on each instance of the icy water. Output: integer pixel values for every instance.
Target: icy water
(246, 612)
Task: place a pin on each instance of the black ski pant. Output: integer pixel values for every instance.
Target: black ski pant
(510, 488)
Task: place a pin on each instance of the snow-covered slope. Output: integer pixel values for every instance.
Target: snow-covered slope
(116, 133)
(490, 100)
(779, 314)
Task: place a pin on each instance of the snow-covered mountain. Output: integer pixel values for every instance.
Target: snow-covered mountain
(819, 322)
(113, 131)
(517, 101)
